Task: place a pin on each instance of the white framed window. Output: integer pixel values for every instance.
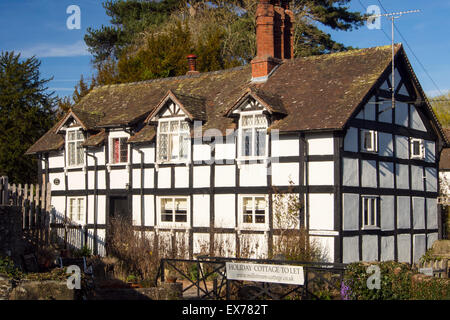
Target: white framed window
(74, 148)
(369, 141)
(119, 150)
(253, 211)
(76, 209)
(253, 137)
(370, 212)
(174, 210)
(417, 148)
(174, 142)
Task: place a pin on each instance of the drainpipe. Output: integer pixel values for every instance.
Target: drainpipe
(95, 199)
(142, 186)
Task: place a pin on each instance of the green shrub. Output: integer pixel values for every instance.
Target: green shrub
(8, 268)
(397, 282)
(83, 252)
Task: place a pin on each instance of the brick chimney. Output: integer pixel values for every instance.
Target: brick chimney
(274, 37)
(192, 64)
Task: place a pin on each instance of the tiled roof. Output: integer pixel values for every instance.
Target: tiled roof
(314, 93)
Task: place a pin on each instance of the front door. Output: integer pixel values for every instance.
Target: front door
(118, 213)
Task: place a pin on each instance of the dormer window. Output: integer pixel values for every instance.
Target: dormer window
(173, 140)
(75, 152)
(253, 135)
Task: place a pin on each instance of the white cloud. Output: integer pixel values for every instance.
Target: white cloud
(78, 48)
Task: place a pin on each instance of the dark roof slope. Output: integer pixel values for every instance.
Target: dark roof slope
(50, 141)
(316, 93)
(321, 92)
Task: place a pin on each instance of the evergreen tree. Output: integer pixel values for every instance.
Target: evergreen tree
(128, 19)
(26, 113)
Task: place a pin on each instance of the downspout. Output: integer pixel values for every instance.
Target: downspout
(95, 199)
(142, 186)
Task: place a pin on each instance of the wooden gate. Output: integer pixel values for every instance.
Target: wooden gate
(321, 280)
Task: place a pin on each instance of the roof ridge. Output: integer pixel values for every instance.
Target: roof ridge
(348, 52)
(197, 75)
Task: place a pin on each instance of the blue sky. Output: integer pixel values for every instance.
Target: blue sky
(38, 27)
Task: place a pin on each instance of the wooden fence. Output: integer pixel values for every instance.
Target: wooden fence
(42, 224)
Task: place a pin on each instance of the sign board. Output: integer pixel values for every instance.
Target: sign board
(265, 273)
(426, 271)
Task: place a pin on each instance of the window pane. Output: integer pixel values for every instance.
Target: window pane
(123, 150)
(174, 146)
(261, 142)
(71, 208)
(247, 210)
(368, 140)
(260, 210)
(174, 125)
(372, 212)
(180, 210)
(184, 126)
(416, 148)
(71, 153)
(80, 209)
(247, 121)
(184, 143)
(80, 153)
(260, 217)
(162, 143)
(247, 142)
(163, 126)
(366, 211)
(260, 120)
(166, 210)
(71, 135)
(80, 135)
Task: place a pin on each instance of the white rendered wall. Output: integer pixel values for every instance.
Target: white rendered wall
(224, 211)
(285, 146)
(321, 211)
(321, 172)
(320, 144)
(201, 210)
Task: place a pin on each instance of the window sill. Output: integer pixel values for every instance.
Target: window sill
(172, 225)
(253, 227)
(252, 160)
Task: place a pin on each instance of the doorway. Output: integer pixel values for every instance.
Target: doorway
(118, 211)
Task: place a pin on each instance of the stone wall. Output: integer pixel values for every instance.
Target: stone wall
(42, 290)
(5, 287)
(12, 240)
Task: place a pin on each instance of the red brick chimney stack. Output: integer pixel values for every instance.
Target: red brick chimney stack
(192, 63)
(273, 37)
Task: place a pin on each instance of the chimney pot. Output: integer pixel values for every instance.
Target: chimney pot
(192, 64)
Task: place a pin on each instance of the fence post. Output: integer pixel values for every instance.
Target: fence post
(5, 192)
(31, 198)
(48, 205)
(26, 216)
(14, 194)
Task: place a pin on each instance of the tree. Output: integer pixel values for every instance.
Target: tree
(128, 19)
(441, 106)
(26, 113)
(82, 88)
(133, 22)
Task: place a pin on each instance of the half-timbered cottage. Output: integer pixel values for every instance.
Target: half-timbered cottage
(197, 156)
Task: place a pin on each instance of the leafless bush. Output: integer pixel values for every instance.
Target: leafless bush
(292, 241)
(139, 255)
